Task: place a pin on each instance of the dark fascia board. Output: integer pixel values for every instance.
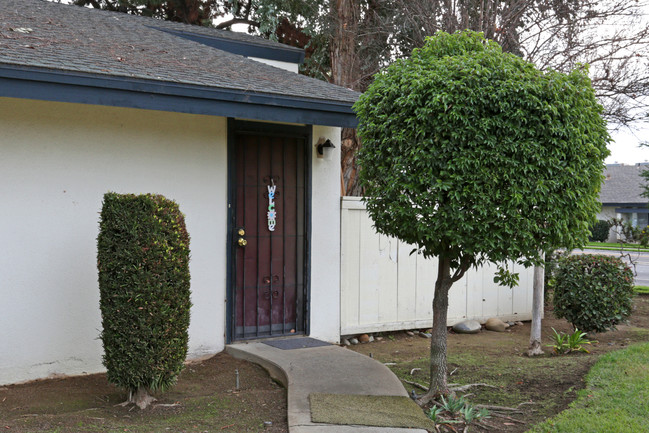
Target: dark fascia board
(632, 209)
(247, 49)
(634, 204)
(95, 89)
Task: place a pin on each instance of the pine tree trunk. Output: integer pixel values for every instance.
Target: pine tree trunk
(537, 311)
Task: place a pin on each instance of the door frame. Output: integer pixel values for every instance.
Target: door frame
(277, 130)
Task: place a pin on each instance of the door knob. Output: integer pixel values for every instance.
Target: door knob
(242, 242)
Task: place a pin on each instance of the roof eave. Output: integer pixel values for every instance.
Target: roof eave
(67, 86)
(620, 204)
(248, 49)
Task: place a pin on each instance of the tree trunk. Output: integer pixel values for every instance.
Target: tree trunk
(350, 145)
(438, 369)
(537, 311)
(141, 398)
(344, 63)
(345, 72)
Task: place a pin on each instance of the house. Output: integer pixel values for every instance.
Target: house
(621, 196)
(94, 101)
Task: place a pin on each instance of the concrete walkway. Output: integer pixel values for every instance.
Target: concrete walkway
(326, 369)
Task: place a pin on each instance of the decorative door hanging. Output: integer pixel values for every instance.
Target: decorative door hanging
(272, 213)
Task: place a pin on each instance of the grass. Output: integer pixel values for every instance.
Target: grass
(641, 290)
(614, 246)
(616, 399)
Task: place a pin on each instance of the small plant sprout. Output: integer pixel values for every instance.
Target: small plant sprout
(565, 343)
(453, 405)
(434, 414)
(453, 410)
(470, 414)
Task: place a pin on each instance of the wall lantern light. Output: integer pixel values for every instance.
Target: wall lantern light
(321, 147)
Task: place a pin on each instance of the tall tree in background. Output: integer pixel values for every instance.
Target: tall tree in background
(198, 12)
(612, 36)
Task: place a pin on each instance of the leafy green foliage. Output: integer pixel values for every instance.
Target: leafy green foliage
(476, 155)
(565, 343)
(599, 231)
(143, 263)
(593, 292)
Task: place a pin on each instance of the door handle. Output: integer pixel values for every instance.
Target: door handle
(242, 242)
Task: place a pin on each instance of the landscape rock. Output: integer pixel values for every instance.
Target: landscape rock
(467, 327)
(425, 335)
(346, 342)
(410, 333)
(379, 338)
(371, 338)
(353, 340)
(519, 323)
(495, 325)
(364, 338)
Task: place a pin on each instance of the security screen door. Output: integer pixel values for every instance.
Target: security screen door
(269, 235)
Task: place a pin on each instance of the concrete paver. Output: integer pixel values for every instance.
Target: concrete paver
(327, 369)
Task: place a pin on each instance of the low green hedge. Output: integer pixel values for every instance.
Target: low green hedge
(143, 263)
(593, 292)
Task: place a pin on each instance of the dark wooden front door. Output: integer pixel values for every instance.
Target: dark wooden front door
(269, 235)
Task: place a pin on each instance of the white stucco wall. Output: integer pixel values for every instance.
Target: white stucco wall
(325, 251)
(56, 162)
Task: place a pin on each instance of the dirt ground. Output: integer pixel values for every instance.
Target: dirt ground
(542, 386)
(204, 400)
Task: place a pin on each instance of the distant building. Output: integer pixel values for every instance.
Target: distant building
(621, 195)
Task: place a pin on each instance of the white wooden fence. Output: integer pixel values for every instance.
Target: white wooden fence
(384, 288)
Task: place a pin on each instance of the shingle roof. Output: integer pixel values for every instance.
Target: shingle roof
(41, 34)
(623, 184)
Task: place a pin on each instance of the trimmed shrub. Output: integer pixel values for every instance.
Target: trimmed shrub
(593, 292)
(599, 231)
(143, 263)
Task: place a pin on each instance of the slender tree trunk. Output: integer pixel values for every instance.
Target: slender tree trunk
(537, 311)
(438, 369)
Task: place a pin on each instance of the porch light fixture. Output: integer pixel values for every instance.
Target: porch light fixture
(322, 145)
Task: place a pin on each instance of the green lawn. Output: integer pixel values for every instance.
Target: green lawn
(615, 246)
(616, 399)
(641, 290)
